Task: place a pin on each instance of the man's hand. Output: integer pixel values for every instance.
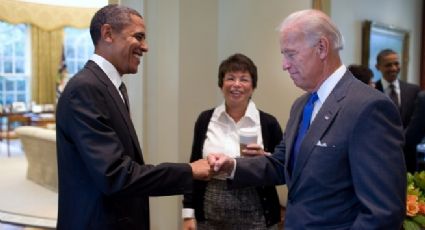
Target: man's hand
(253, 150)
(201, 170)
(221, 163)
(189, 224)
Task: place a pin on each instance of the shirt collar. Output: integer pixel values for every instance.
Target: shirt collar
(108, 69)
(251, 112)
(329, 84)
(386, 84)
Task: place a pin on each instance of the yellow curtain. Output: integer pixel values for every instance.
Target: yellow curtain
(46, 49)
(47, 17)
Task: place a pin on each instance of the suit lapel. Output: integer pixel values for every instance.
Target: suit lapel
(320, 124)
(117, 100)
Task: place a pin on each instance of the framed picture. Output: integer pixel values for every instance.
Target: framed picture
(378, 36)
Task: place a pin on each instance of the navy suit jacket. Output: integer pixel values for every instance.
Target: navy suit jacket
(415, 132)
(103, 180)
(352, 178)
(408, 94)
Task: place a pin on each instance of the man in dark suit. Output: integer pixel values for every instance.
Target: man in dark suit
(415, 131)
(104, 182)
(340, 155)
(388, 63)
(403, 94)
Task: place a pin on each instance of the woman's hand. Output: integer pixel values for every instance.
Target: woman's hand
(253, 150)
(189, 224)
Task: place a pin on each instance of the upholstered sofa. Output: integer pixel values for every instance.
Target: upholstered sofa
(39, 145)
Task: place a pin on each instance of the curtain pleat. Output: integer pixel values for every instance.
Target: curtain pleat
(46, 59)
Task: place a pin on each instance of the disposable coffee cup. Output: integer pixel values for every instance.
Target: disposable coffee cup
(247, 136)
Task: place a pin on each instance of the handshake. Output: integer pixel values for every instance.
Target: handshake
(219, 163)
(216, 163)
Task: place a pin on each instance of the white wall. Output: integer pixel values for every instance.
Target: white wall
(406, 15)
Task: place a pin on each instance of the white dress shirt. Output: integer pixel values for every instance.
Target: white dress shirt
(109, 70)
(387, 90)
(223, 136)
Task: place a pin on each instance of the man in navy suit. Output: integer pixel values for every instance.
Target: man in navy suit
(104, 182)
(347, 172)
(388, 63)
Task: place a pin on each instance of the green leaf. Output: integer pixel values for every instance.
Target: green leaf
(410, 225)
(419, 219)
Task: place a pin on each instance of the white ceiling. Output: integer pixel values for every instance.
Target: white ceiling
(73, 3)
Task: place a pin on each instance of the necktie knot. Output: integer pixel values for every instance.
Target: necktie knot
(313, 98)
(124, 94)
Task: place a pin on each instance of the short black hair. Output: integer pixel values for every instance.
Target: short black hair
(115, 15)
(237, 62)
(384, 53)
(363, 73)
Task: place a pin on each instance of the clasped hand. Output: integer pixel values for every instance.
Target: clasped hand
(221, 163)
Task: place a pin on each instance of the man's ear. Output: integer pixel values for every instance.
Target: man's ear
(106, 33)
(323, 47)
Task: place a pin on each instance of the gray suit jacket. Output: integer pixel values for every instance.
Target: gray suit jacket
(354, 178)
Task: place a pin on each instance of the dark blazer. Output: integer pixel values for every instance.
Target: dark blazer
(408, 94)
(103, 180)
(348, 173)
(272, 134)
(415, 132)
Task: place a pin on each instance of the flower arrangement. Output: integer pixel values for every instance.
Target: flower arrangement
(415, 202)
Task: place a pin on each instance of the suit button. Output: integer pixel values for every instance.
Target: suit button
(264, 198)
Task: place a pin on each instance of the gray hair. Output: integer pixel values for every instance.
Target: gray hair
(315, 24)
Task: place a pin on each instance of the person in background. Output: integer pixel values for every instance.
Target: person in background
(104, 182)
(363, 73)
(415, 131)
(61, 81)
(214, 206)
(402, 93)
(341, 152)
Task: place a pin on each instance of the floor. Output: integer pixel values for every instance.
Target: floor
(4, 226)
(15, 151)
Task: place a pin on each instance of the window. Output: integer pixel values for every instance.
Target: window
(15, 59)
(14, 63)
(78, 49)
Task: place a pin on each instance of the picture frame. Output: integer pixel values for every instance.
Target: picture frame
(378, 36)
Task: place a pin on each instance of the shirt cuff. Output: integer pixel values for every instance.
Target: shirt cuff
(232, 174)
(188, 213)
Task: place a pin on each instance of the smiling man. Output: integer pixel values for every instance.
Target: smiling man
(104, 182)
(402, 93)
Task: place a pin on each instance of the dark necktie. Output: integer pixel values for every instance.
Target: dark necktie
(302, 129)
(123, 91)
(393, 94)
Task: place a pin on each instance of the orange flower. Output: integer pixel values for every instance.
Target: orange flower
(412, 206)
(421, 207)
